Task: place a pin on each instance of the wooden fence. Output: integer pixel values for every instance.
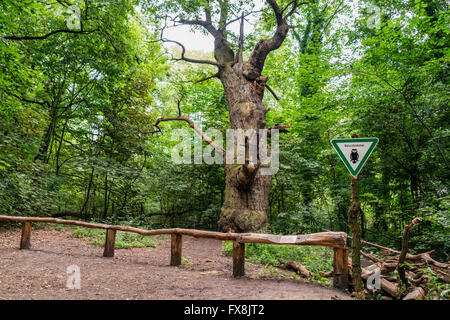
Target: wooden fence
(336, 240)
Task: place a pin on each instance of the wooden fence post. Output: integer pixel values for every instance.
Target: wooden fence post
(176, 249)
(238, 259)
(340, 268)
(110, 243)
(26, 235)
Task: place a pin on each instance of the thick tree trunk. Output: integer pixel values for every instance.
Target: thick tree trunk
(246, 198)
(247, 188)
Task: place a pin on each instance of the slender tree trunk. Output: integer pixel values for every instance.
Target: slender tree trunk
(47, 138)
(84, 209)
(105, 207)
(58, 152)
(353, 211)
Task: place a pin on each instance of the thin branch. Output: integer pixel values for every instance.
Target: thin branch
(183, 51)
(272, 92)
(225, 24)
(41, 103)
(196, 129)
(45, 36)
(179, 101)
(415, 114)
(294, 9)
(331, 18)
(254, 66)
(216, 75)
(239, 55)
(207, 24)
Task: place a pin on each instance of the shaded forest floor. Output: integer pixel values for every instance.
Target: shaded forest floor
(138, 273)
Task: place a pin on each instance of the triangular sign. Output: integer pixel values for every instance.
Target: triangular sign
(354, 152)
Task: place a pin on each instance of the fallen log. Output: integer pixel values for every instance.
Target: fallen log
(426, 257)
(442, 276)
(371, 257)
(416, 294)
(298, 267)
(390, 288)
(385, 285)
(326, 274)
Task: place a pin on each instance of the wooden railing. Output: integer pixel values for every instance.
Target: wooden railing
(336, 240)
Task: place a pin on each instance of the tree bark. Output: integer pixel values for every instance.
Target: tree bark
(110, 243)
(238, 259)
(340, 268)
(246, 198)
(25, 240)
(176, 250)
(353, 211)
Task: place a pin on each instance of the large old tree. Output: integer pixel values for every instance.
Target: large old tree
(246, 197)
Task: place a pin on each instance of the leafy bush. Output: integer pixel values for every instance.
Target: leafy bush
(124, 240)
(315, 259)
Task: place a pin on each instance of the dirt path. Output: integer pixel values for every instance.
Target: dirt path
(139, 273)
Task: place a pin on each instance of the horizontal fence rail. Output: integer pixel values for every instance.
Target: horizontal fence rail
(336, 240)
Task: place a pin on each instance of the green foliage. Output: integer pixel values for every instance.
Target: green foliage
(124, 240)
(437, 290)
(315, 259)
(74, 106)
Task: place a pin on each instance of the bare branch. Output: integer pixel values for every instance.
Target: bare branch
(20, 38)
(227, 23)
(183, 51)
(191, 123)
(239, 54)
(280, 127)
(23, 99)
(272, 92)
(276, 10)
(294, 8)
(254, 66)
(179, 102)
(207, 24)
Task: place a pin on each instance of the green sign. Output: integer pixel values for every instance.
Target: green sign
(354, 152)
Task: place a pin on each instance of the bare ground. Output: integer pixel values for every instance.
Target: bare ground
(138, 273)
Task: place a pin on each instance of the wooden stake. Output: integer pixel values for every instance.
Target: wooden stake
(176, 249)
(340, 268)
(110, 243)
(26, 236)
(238, 259)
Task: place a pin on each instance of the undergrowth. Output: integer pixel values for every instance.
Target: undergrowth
(124, 240)
(315, 259)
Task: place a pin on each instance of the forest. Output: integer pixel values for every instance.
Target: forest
(88, 89)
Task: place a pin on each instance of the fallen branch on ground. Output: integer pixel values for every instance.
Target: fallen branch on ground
(301, 269)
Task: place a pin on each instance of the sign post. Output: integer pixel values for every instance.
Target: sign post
(354, 153)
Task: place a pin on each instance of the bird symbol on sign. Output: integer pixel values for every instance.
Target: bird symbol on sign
(354, 156)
